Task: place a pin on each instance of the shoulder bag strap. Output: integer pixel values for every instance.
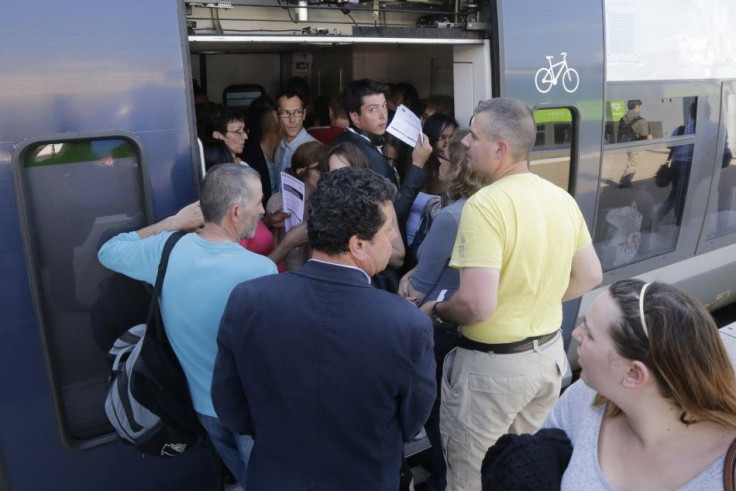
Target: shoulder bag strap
(729, 469)
(153, 311)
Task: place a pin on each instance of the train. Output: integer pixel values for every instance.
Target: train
(98, 135)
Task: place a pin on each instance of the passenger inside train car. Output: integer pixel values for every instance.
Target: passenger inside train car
(228, 137)
(263, 139)
(438, 103)
(338, 122)
(365, 103)
(291, 111)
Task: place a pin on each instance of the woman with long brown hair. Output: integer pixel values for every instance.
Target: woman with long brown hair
(656, 406)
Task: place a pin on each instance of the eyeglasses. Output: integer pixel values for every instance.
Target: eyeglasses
(288, 114)
(242, 132)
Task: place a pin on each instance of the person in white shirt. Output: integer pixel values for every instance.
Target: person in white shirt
(291, 112)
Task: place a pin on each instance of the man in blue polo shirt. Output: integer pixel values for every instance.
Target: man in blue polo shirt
(203, 269)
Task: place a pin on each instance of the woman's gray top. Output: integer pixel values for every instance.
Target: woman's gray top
(433, 273)
(574, 414)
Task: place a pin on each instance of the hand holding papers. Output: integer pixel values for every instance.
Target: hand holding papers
(405, 126)
(292, 194)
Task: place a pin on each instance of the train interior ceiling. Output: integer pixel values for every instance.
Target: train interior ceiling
(330, 43)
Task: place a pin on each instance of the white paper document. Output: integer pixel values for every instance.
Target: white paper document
(441, 296)
(292, 195)
(406, 126)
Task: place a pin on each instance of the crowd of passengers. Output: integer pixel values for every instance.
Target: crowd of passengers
(422, 290)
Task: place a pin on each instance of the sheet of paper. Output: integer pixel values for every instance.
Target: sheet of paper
(406, 126)
(292, 195)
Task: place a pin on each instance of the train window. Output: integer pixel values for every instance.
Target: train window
(640, 218)
(77, 194)
(634, 120)
(550, 156)
(241, 95)
(722, 218)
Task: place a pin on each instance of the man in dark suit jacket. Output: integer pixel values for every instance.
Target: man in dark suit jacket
(365, 103)
(328, 374)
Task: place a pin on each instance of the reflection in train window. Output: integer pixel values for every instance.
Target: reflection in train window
(550, 156)
(644, 119)
(77, 194)
(722, 219)
(642, 218)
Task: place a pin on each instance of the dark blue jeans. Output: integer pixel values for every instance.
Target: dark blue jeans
(234, 450)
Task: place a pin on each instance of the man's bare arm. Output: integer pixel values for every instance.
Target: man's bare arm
(585, 274)
(475, 300)
(188, 218)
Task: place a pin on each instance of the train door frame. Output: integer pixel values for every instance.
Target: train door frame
(708, 242)
(31, 254)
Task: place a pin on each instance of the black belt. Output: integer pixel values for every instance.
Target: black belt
(505, 348)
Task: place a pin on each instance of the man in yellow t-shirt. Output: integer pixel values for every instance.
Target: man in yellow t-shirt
(522, 249)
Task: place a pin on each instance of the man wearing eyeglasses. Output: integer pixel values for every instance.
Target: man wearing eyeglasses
(291, 121)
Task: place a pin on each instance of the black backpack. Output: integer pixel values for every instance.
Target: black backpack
(626, 131)
(148, 402)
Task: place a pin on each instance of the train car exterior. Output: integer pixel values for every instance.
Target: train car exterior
(97, 135)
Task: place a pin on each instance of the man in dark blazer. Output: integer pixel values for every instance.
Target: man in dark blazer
(365, 103)
(329, 375)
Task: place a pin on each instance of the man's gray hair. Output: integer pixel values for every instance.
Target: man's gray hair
(223, 186)
(512, 121)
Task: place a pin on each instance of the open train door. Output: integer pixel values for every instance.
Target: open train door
(551, 56)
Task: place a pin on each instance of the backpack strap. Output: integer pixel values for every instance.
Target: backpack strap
(729, 469)
(154, 309)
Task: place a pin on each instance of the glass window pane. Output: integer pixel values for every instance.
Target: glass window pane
(640, 219)
(550, 156)
(636, 120)
(79, 193)
(722, 219)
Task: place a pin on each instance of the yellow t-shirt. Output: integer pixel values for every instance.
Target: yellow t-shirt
(529, 229)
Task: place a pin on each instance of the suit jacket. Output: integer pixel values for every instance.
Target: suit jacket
(411, 185)
(328, 374)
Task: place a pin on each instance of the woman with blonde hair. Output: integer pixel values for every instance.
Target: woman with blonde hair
(656, 406)
(434, 273)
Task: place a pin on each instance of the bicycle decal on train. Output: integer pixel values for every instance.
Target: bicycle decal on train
(547, 77)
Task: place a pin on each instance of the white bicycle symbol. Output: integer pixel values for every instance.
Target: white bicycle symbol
(546, 78)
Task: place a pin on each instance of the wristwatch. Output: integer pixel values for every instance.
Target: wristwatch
(436, 317)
